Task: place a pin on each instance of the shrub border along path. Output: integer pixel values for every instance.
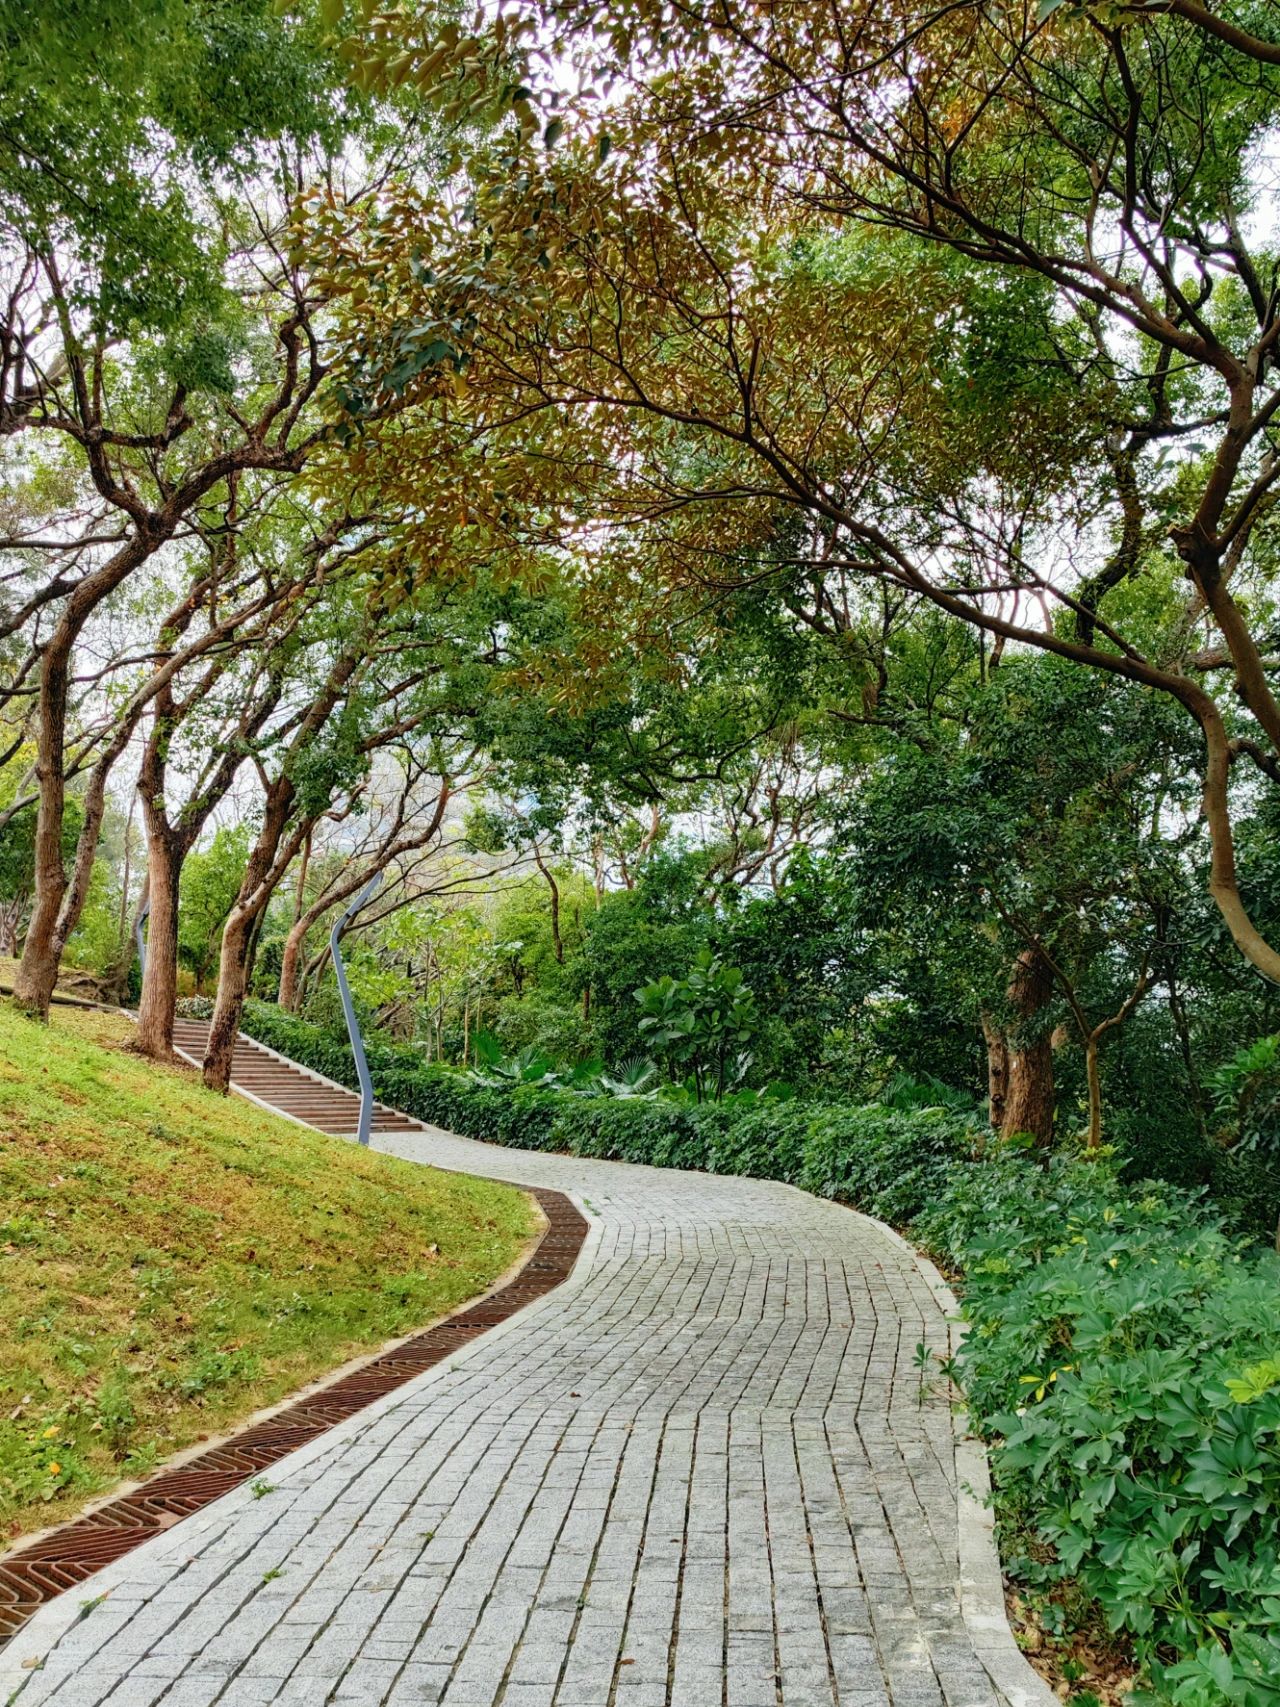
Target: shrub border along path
(980, 1586)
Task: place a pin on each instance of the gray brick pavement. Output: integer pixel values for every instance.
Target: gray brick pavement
(700, 1474)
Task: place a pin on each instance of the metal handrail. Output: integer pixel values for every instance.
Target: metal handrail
(139, 936)
(349, 1010)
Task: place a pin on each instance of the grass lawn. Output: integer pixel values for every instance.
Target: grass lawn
(172, 1260)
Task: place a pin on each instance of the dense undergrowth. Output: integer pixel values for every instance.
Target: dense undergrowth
(1123, 1359)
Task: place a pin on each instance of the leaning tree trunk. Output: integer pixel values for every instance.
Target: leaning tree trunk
(291, 965)
(60, 897)
(233, 985)
(58, 904)
(556, 943)
(160, 979)
(37, 972)
(1028, 1105)
(267, 864)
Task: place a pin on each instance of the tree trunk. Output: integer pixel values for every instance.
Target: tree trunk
(290, 962)
(160, 980)
(268, 862)
(294, 943)
(1093, 1137)
(1028, 1105)
(59, 898)
(233, 983)
(997, 1070)
(167, 849)
(37, 973)
(54, 914)
(556, 944)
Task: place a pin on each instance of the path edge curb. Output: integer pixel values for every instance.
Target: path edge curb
(982, 1600)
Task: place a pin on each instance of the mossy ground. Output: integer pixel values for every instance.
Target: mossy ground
(172, 1260)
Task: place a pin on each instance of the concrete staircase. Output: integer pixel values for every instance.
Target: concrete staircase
(308, 1097)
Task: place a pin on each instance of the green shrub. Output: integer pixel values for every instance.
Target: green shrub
(893, 1163)
(1244, 1184)
(768, 1141)
(1247, 1096)
(1122, 1360)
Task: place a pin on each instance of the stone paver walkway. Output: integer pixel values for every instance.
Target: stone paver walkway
(700, 1474)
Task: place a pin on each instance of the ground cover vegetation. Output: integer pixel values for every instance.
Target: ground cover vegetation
(741, 541)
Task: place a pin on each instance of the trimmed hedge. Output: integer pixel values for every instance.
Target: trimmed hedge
(891, 1163)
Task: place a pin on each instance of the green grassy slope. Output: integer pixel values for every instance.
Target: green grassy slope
(171, 1260)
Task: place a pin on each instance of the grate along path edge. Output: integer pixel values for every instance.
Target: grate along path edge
(65, 1556)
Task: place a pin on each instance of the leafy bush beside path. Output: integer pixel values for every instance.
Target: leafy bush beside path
(1123, 1360)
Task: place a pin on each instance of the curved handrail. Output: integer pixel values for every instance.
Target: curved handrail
(140, 937)
(349, 1010)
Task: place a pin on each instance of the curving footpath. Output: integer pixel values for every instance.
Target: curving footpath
(702, 1473)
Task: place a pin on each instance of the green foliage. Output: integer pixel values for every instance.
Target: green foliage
(812, 963)
(116, 112)
(704, 1023)
(1120, 1360)
(909, 1091)
(635, 937)
(529, 1067)
(17, 842)
(636, 1078)
(209, 886)
(1247, 1096)
(95, 942)
(542, 1018)
(17, 855)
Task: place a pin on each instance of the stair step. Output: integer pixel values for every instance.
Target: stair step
(331, 1109)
